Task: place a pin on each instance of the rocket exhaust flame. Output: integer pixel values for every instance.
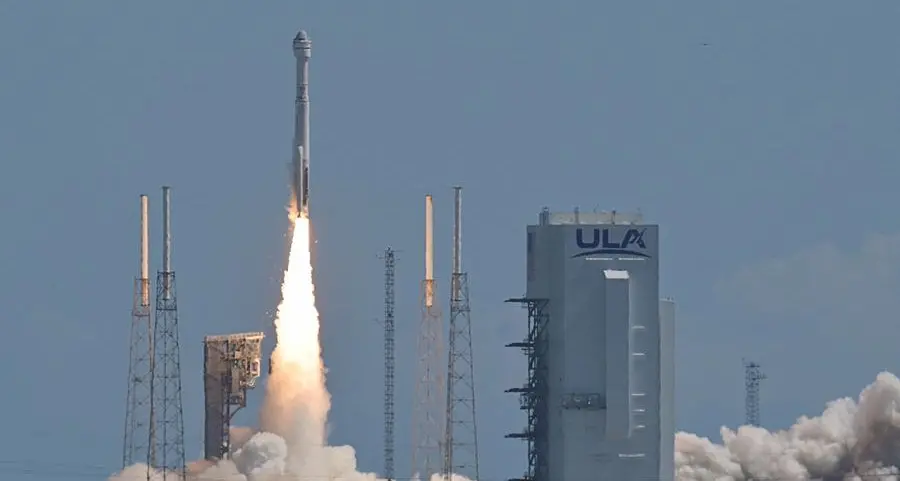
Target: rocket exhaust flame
(297, 402)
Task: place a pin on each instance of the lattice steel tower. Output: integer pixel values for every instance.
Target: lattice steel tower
(428, 407)
(139, 423)
(461, 432)
(166, 386)
(389, 363)
(752, 376)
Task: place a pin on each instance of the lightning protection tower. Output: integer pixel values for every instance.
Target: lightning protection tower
(389, 364)
(753, 375)
(428, 404)
(461, 433)
(166, 386)
(139, 442)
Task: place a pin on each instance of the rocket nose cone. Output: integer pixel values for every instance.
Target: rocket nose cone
(302, 44)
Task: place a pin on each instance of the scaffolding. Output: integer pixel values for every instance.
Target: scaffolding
(533, 395)
(231, 366)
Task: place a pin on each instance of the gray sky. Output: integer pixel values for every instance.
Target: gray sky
(762, 136)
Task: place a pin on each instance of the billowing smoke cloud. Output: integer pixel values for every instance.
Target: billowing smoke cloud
(265, 457)
(239, 435)
(851, 440)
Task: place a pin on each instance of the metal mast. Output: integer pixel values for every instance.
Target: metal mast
(752, 376)
(166, 387)
(389, 364)
(461, 433)
(139, 444)
(428, 405)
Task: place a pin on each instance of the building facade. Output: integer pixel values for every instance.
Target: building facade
(601, 393)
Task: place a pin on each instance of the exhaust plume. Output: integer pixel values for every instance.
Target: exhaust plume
(297, 402)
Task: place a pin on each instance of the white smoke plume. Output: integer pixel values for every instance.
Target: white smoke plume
(239, 435)
(292, 442)
(850, 441)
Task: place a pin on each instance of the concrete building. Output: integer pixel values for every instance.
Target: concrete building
(600, 393)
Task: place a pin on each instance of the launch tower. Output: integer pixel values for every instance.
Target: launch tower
(231, 366)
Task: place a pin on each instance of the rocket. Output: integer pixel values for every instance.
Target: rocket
(300, 159)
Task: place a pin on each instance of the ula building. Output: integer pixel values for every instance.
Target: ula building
(600, 348)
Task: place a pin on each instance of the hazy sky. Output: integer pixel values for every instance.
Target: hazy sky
(761, 136)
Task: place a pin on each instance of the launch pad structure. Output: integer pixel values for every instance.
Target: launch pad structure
(231, 366)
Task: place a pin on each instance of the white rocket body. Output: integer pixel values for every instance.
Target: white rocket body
(300, 159)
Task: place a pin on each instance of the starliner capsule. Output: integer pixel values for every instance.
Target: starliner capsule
(300, 160)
